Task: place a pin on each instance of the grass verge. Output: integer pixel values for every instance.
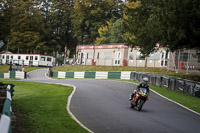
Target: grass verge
(43, 107)
(5, 68)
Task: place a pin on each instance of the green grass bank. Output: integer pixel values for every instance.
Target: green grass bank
(43, 107)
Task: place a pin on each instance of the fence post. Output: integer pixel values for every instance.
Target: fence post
(188, 60)
(178, 60)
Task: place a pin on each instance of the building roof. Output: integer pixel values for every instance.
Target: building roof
(107, 46)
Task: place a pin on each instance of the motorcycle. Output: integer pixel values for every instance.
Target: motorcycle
(139, 99)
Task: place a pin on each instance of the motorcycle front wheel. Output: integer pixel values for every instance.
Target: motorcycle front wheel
(139, 104)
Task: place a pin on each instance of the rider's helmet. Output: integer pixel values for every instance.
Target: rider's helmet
(145, 80)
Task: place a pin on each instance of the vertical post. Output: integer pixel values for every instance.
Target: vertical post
(178, 60)
(136, 62)
(188, 60)
(168, 59)
(173, 59)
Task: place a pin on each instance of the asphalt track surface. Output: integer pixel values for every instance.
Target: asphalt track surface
(103, 107)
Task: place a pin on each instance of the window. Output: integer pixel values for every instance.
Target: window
(98, 56)
(11, 57)
(89, 55)
(26, 57)
(48, 58)
(186, 57)
(3, 57)
(131, 56)
(107, 55)
(140, 57)
(42, 58)
(7, 57)
(154, 56)
(36, 57)
(31, 57)
(19, 57)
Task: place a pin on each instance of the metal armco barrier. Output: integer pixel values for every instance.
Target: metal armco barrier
(172, 83)
(197, 90)
(180, 85)
(5, 120)
(189, 88)
(165, 82)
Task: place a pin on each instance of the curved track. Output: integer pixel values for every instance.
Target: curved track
(103, 107)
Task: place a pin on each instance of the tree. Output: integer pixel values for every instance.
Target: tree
(171, 23)
(4, 20)
(90, 15)
(26, 26)
(111, 33)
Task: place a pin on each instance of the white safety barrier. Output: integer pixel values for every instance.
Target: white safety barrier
(61, 74)
(6, 75)
(101, 75)
(4, 123)
(79, 75)
(19, 75)
(126, 75)
(5, 120)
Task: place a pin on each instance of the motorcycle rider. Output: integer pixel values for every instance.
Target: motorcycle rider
(143, 84)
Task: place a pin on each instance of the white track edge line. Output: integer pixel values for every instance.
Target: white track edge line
(69, 102)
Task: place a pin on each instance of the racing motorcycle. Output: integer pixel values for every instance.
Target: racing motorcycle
(139, 99)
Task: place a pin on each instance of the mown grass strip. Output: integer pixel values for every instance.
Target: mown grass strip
(43, 107)
(4, 68)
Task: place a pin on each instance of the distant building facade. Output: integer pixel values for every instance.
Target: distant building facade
(120, 55)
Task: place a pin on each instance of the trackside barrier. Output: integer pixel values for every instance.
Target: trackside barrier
(79, 75)
(61, 74)
(168, 82)
(5, 121)
(69, 75)
(172, 83)
(90, 75)
(125, 75)
(13, 74)
(101, 75)
(114, 75)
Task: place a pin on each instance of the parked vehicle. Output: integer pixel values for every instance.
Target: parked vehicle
(139, 99)
(27, 59)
